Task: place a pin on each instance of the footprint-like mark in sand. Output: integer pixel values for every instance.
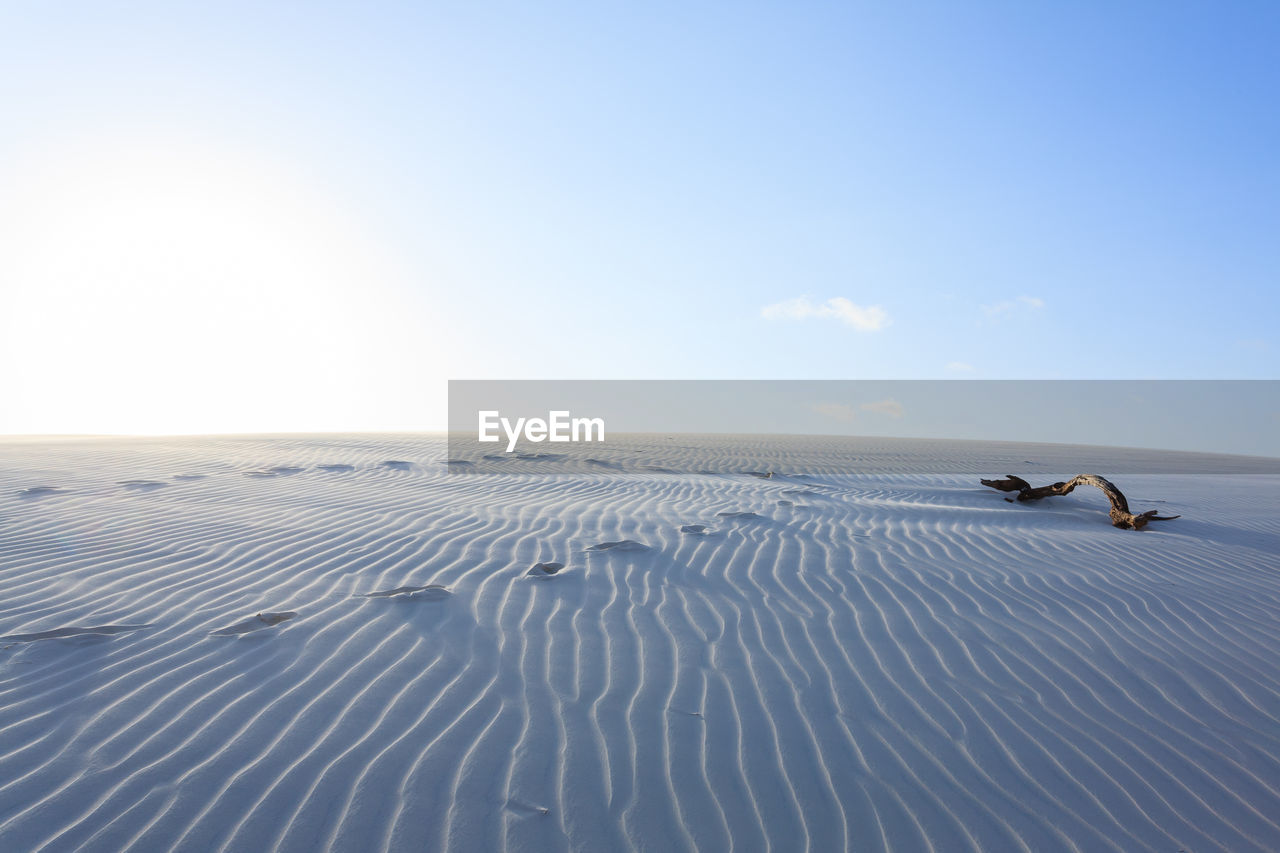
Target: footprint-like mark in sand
(275, 471)
(337, 468)
(42, 491)
(739, 514)
(674, 710)
(604, 463)
(430, 592)
(763, 475)
(255, 623)
(528, 808)
(397, 464)
(143, 485)
(810, 490)
(624, 546)
(696, 529)
(56, 633)
(544, 570)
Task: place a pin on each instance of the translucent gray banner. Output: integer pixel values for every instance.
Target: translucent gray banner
(871, 426)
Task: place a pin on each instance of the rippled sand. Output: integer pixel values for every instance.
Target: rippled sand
(341, 642)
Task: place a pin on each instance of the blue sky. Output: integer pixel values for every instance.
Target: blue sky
(479, 190)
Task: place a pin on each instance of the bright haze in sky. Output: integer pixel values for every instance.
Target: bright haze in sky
(294, 217)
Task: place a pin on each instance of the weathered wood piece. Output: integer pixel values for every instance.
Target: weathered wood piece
(1121, 516)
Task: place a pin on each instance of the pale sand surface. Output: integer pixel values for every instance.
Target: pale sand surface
(304, 643)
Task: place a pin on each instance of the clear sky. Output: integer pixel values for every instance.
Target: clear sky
(287, 217)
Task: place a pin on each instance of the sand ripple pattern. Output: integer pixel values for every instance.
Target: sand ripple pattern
(900, 661)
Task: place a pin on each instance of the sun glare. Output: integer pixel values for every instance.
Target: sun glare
(175, 289)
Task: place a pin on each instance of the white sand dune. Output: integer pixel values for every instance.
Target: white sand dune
(897, 660)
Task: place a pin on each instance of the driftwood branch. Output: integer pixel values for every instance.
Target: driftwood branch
(1120, 515)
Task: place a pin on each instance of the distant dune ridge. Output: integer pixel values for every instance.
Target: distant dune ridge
(311, 643)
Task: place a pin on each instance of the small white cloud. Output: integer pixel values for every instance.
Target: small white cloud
(890, 407)
(959, 367)
(869, 319)
(865, 319)
(998, 310)
(792, 309)
(836, 411)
